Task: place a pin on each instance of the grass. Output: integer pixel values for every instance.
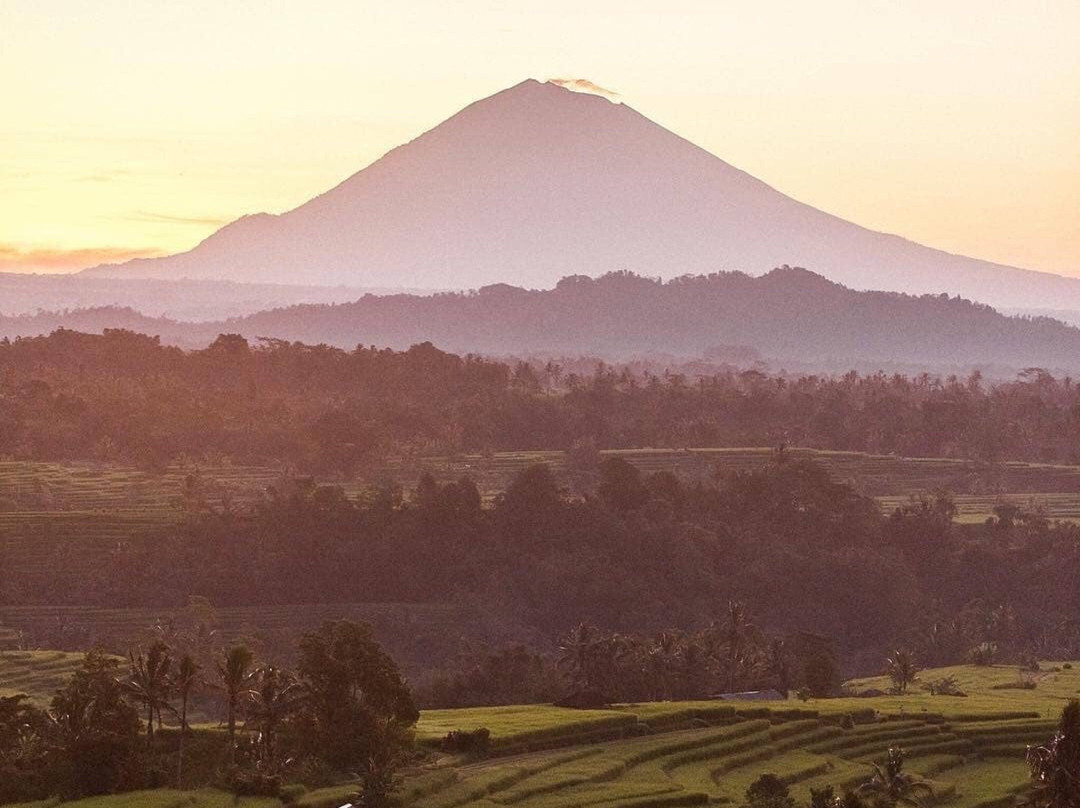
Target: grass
(162, 798)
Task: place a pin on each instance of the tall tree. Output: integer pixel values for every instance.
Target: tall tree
(94, 729)
(187, 678)
(234, 671)
(150, 682)
(736, 635)
(1055, 767)
(273, 697)
(359, 711)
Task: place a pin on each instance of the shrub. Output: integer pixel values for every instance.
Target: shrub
(1067, 666)
(945, 686)
(291, 793)
(469, 742)
(769, 791)
(244, 783)
(846, 721)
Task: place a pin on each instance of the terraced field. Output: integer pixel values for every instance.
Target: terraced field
(874, 475)
(974, 508)
(665, 754)
(972, 748)
(715, 764)
(37, 674)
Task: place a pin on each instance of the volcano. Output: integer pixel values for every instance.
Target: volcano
(538, 182)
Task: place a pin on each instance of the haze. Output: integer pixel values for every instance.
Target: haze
(139, 130)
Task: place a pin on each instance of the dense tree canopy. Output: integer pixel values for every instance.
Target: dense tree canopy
(123, 396)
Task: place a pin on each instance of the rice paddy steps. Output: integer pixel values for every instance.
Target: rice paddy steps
(37, 674)
(1007, 738)
(648, 758)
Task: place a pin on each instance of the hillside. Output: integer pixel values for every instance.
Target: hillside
(536, 182)
(787, 316)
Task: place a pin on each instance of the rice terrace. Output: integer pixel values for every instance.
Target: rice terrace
(970, 748)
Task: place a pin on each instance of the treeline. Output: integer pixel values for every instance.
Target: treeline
(125, 397)
(593, 668)
(638, 554)
(345, 712)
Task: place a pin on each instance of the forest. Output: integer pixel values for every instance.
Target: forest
(124, 397)
(639, 554)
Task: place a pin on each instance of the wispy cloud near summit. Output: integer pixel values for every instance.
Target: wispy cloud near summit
(584, 86)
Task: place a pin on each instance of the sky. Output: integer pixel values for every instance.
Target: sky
(133, 128)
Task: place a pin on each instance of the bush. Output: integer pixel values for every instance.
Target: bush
(945, 686)
(846, 721)
(769, 791)
(1067, 666)
(244, 783)
(469, 742)
(291, 793)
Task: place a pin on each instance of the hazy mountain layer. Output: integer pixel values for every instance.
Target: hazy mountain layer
(788, 314)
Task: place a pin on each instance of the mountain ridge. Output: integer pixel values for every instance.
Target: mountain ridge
(787, 315)
(536, 182)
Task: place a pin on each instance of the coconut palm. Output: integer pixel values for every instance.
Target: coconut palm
(274, 696)
(736, 637)
(902, 669)
(187, 673)
(579, 653)
(150, 682)
(891, 785)
(234, 671)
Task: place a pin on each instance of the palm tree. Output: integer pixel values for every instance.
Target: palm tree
(902, 669)
(736, 636)
(891, 785)
(1055, 768)
(274, 696)
(233, 670)
(578, 653)
(150, 682)
(187, 673)
(778, 664)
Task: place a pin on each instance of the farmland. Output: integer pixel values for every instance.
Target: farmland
(697, 753)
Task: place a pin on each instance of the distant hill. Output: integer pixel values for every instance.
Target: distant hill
(190, 300)
(537, 182)
(787, 315)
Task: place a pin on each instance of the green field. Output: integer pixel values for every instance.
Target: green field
(696, 753)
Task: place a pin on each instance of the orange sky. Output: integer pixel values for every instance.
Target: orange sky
(139, 128)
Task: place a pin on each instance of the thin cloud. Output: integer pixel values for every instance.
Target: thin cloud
(44, 259)
(167, 218)
(585, 86)
(103, 176)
